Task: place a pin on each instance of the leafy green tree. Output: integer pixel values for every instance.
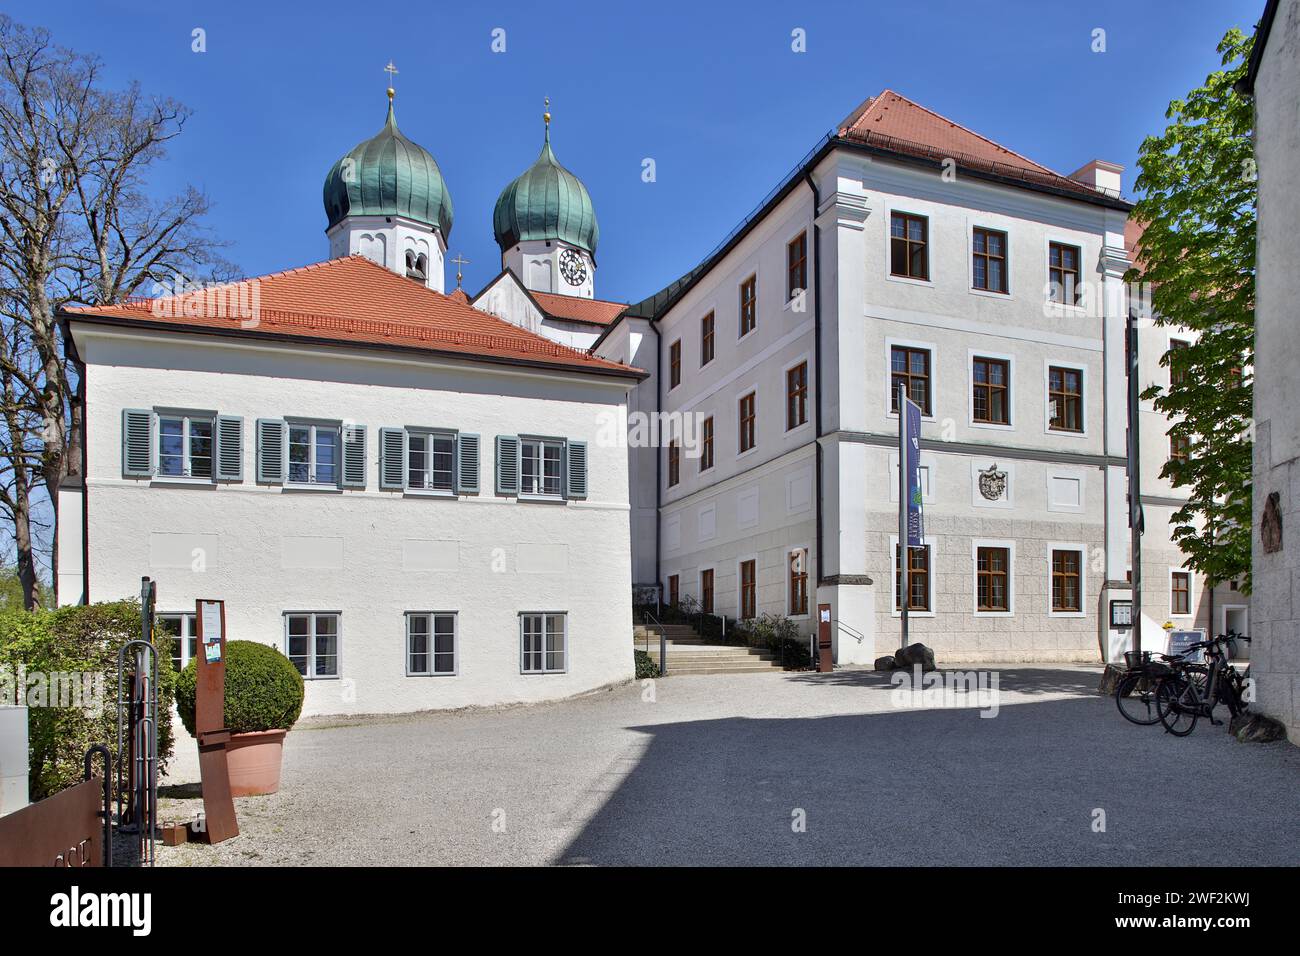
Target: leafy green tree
(1198, 252)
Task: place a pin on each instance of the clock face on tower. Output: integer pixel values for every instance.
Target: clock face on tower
(572, 267)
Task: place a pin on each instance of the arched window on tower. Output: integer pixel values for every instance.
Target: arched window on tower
(417, 267)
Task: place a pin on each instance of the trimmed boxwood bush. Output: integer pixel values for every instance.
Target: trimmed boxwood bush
(264, 690)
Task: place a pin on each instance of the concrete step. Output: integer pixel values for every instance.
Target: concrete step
(674, 671)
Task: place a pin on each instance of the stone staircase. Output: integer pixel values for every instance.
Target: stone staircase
(689, 654)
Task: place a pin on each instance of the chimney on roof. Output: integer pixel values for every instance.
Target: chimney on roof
(1101, 176)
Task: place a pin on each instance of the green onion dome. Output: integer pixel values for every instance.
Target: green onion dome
(388, 175)
(546, 202)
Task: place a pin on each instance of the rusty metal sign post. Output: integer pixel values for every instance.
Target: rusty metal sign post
(210, 722)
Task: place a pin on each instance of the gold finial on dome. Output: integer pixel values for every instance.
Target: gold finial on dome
(391, 71)
(546, 117)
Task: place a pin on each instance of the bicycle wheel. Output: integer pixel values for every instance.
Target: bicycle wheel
(1174, 708)
(1136, 699)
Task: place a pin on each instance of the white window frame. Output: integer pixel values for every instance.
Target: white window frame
(741, 559)
(971, 226)
(429, 435)
(747, 390)
(311, 642)
(187, 632)
(894, 610)
(186, 418)
(430, 617)
(541, 442)
(1050, 308)
(1010, 546)
(523, 651)
(1083, 577)
(889, 247)
(741, 336)
(681, 359)
(313, 427)
(1048, 365)
(1191, 594)
(809, 395)
(930, 347)
(810, 584)
(971, 356)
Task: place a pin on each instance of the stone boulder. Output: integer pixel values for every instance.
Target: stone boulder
(1256, 729)
(905, 658)
(884, 663)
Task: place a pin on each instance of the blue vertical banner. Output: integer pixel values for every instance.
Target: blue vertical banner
(912, 447)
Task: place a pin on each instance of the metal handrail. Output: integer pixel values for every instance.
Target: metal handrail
(663, 642)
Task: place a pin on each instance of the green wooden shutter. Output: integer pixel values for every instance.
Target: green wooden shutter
(575, 470)
(137, 442)
(354, 456)
(230, 448)
(392, 458)
(507, 464)
(467, 464)
(272, 450)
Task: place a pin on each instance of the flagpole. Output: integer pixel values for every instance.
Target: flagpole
(904, 584)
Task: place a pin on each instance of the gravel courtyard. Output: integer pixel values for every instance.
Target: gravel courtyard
(721, 770)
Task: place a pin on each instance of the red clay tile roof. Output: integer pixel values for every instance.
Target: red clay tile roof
(894, 122)
(354, 301)
(574, 309)
(459, 295)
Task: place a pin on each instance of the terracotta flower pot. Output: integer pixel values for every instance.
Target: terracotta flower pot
(254, 762)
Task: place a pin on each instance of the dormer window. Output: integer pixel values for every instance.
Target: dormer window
(417, 267)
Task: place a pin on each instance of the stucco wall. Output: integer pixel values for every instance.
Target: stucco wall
(1275, 615)
(368, 554)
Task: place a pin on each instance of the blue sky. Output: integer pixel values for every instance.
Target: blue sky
(712, 92)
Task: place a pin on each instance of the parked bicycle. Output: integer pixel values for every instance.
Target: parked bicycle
(1195, 688)
(1139, 696)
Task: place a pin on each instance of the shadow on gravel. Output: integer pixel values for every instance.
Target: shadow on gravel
(945, 787)
(1023, 680)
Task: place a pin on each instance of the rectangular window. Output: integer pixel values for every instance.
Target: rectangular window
(674, 463)
(798, 581)
(748, 305)
(1180, 593)
(540, 462)
(748, 406)
(909, 251)
(1065, 397)
(312, 643)
(993, 579)
(1063, 273)
(314, 454)
(989, 260)
(1179, 447)
(796, 259)
(706, 339)
(543, 643)
(706, 446)
(910, 367)
(1177, 361)
(184, 446)
(185, 644)
(748, 589)
(706, 590)
(796, 396)
(430, 643)
(430, 461)
(674, 589)
(991, 380)
(1067, 594)
(918, 578)
(675, 364)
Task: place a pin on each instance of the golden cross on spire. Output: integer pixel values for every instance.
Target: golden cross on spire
(391, 71)
(460, 261)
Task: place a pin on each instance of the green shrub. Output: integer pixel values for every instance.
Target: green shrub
(264, 690)
(645, 667)
(778, 634)
(81, 640)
